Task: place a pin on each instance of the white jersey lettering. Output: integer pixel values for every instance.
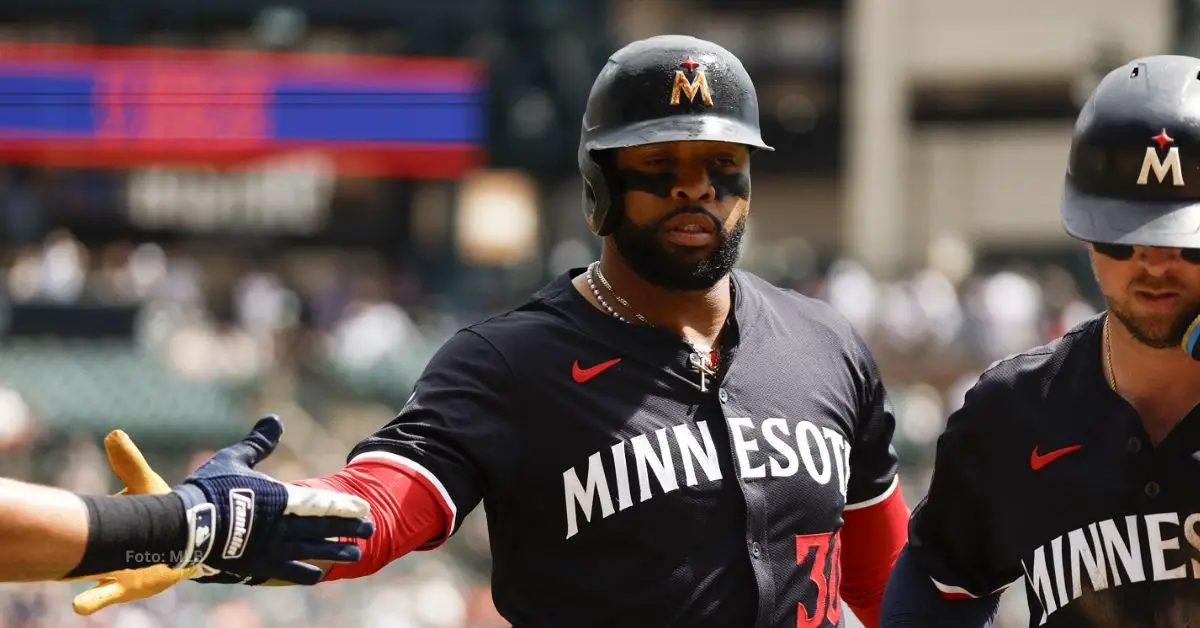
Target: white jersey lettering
(662, 459)
(1107, 554)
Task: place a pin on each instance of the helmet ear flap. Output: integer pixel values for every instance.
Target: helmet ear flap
(599, 207)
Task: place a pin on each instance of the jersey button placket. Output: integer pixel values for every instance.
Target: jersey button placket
(723, 396)
(755, 549)
(1150, 488)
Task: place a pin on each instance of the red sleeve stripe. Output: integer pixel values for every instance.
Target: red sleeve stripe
(425, 477)
(951, 592)
(879, 499)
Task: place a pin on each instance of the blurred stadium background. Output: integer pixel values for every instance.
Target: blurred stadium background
(198, 226)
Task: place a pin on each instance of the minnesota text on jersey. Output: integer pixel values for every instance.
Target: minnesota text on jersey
(729, 504)
(1112, 525)
(823, 453)
(1112, 552)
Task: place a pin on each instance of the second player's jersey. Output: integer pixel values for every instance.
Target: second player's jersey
(621, 491)
(1045, 474)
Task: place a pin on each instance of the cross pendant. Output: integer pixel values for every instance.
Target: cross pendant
(701, 365)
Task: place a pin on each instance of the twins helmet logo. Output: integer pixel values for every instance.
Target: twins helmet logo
(698, 85)
(1160, 167)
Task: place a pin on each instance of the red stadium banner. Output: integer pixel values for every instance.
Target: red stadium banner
(121, 107)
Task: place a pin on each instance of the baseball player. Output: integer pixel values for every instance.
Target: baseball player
(659, 440)
(51, 534)
(1074, 465)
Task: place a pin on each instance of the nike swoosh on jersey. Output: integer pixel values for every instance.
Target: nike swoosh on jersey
(581, 375)
(1037, 461)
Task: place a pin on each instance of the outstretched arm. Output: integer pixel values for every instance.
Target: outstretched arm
(46, 533)
(423, 472)
(225, 516)
(43, 532)
(406, 513)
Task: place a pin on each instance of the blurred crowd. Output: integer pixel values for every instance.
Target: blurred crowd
(932, 331)
(206, 324)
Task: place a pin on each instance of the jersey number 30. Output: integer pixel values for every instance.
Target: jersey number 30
(821, 554)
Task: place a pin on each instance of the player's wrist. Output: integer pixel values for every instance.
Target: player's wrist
(131, 531)
(200, 525)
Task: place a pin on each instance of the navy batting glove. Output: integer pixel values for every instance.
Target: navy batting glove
(254, 528)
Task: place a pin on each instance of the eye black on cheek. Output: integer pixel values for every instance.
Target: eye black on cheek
(736, 184)
(656, 183)
(730, 184)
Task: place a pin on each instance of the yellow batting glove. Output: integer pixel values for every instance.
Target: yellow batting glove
(127, 585)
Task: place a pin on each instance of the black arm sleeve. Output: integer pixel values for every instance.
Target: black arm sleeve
(950, 532)
(873, 460)
(911, 601)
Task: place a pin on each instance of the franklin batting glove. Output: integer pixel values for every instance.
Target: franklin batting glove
(243, 522)
(127, 585)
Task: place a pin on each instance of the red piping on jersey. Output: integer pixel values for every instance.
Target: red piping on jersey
(872, 538)
(958, 593)
(407, 512)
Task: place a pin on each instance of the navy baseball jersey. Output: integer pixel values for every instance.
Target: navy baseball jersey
(620, 490)
(1047, 474)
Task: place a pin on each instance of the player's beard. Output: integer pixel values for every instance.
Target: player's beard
(1157, 331)
(646, 254)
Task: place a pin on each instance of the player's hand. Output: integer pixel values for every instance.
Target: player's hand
(127, 585)
(253, 528)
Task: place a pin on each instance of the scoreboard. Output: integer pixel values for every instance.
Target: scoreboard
(123, 107)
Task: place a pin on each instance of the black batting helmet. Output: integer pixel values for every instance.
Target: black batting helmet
(1133, 175)
(668, 88)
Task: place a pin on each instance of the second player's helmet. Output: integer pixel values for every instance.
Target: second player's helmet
(1133, 174)
(668, 88)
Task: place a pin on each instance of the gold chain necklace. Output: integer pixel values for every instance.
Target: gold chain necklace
(702, 359)
(595, 267)
(1109, 373)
